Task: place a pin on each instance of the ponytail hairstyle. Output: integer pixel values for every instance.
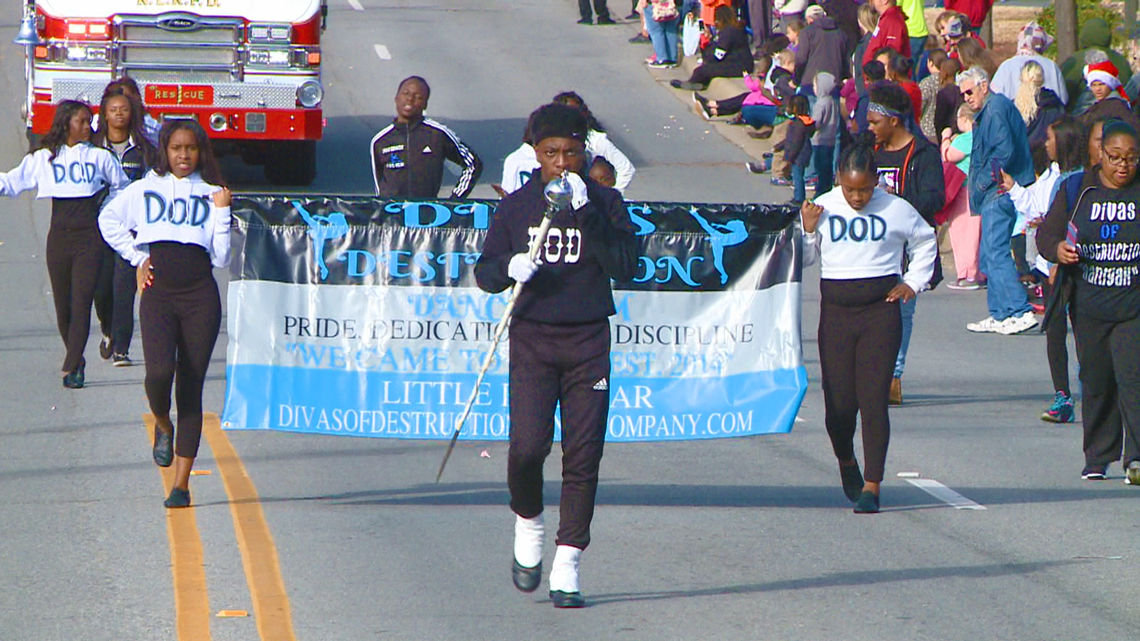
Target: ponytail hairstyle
(859, 156)
(56, 137)
(135, 125)
(1032, 79)
(571, 99)
(208, 166)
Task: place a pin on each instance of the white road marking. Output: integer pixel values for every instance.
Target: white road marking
(945, 494)
(356, 5)
(909, 475)
(383, 52)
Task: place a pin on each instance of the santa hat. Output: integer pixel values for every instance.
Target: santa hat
(1107, 73)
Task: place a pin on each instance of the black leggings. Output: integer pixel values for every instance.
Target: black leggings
(730, 106)
(859, 338)
(115, 301)
(180, 325)
(1056, 347)
(704, 74)
(567, 365)
(74, 257)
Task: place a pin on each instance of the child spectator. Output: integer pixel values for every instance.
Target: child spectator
(825, 113)
(797, 144)
(874, 74)
(965, 229)
(929, 88)
(757, 107)
(779, 78)
(602, 172)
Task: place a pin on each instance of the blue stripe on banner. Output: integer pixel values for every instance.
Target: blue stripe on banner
(320, 401)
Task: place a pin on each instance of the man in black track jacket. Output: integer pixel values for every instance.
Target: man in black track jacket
(408, 155)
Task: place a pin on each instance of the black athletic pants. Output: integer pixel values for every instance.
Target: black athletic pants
(74, 257)
(730, 106)
(566, 365)
(859, 338)
(115, 301)
(1056, 347)
(180, 323)
(1109, 354)
(704, 74)
(599, 8)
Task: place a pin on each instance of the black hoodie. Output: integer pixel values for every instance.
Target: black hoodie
(823, 47)
(1049, 109)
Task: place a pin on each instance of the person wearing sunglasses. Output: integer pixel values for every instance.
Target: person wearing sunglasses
(1000, 144)
(1095, 237)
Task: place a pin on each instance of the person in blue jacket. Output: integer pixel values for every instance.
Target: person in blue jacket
(1000, 144)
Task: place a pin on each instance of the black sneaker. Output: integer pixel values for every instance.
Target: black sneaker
(121, 360)
(585, 21)
(1094, 472)
(105, 347)
(703, 105)
(606, 20)
(639, 38)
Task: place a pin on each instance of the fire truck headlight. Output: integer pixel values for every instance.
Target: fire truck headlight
(310, 94)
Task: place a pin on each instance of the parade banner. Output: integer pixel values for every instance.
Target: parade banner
(358, 316)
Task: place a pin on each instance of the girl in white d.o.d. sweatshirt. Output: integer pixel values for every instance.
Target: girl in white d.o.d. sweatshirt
(860, 235)
(76, 176)
(180, 218)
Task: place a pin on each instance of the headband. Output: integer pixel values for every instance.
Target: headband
(884, 110)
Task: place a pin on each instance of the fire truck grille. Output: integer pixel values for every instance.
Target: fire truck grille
(226, 94)
(229, 34)
(179, 47)
(182, 56)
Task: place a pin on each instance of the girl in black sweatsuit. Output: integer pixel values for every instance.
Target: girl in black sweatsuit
(559, 341)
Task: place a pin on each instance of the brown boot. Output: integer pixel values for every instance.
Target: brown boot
(896, 392)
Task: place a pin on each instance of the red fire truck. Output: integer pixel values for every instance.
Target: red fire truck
(249, 71)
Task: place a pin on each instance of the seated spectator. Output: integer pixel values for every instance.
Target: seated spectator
(1110, 100)
(727, 57)
(965, 229)
(898, 72)
(822, 47)
(868, 22)
(929, 87)
(1032, 42)
(890, 32)
(1095, 36)
(1040, 107)
(948, 98)
(757, 108)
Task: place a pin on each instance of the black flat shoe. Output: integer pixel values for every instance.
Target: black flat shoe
(606, 20)
(852, 481)
(566, 600)
(105, 348)
(868, 503)
(163, 446)
(526, 579)
(586, 21)
(178, 498)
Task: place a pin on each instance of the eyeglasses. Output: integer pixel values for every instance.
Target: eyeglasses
(969, 92)
(1121, 161)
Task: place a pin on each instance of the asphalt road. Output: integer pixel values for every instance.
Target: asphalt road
(333, 539)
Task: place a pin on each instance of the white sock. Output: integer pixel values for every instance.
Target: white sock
(529, 534)
(564, 572)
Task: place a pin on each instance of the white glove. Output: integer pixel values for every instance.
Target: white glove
(578, 187)
(521, 268)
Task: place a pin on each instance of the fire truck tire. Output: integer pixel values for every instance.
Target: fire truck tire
(292, 163)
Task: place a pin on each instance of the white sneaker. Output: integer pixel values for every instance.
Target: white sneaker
(985, 326)
(1017, 324)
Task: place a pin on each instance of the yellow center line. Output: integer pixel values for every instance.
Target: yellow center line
(258, 553)
(191, 603)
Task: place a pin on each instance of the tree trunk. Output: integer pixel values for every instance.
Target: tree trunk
(1066, 28)
(987, 30)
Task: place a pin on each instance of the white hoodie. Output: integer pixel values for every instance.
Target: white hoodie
(870, 243)
(167, 208)
(522, 162)
(80, 171)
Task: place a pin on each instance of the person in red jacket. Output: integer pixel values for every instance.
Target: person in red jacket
(891, 31)
(974, 10)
